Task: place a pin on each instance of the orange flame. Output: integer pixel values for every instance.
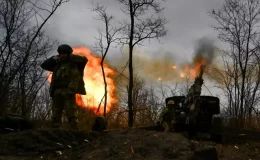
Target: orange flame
(94, 84)
(182, 75)
(174, 67)
(193, 70)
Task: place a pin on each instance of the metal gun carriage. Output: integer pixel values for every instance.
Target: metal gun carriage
(194, 112)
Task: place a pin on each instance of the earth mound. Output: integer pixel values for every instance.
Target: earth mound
(123, 144)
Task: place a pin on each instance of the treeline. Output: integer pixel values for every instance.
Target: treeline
(24, 45)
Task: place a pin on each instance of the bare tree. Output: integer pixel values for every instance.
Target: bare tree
(107, 37)
(41, 108)
(237, 25)
(148, 100)
(22, 46)
(138, 29)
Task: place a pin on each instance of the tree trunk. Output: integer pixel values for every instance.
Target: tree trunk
(131, 74)
(130, 90)
(23, 95)
(105, 84)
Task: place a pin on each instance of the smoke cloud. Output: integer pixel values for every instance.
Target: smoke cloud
(146, 65)
(205, 49)
(165, 67)
(158, 69)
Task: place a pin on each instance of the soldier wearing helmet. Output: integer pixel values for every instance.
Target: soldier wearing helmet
(170, 104)
(167, 116)
(67, 81)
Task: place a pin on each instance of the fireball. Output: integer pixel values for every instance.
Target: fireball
(193, 70)
(94, 83)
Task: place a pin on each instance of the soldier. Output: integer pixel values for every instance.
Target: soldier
(167, 117)
(67, 80)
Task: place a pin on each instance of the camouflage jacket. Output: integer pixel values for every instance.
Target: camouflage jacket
(168, 113)
(74, 70)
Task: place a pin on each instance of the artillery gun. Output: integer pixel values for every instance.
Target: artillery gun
(194, 112)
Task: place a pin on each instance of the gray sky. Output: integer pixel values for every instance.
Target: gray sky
(73, 23)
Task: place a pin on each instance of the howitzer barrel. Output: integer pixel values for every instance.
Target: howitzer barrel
(201, 71)
(195, 89)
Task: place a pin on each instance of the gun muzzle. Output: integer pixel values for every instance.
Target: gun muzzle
(201, 70)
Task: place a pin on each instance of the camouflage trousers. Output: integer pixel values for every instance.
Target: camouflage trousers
(168, 120)
(63, 101)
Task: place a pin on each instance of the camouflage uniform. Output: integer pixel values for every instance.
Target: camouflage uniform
(167, 117)
(67, 80)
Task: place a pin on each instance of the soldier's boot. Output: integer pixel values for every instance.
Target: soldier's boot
(73, 124)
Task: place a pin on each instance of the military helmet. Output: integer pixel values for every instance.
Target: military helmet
(64, 49)
(170, 102)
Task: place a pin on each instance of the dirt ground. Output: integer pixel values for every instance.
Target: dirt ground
(124, 144)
